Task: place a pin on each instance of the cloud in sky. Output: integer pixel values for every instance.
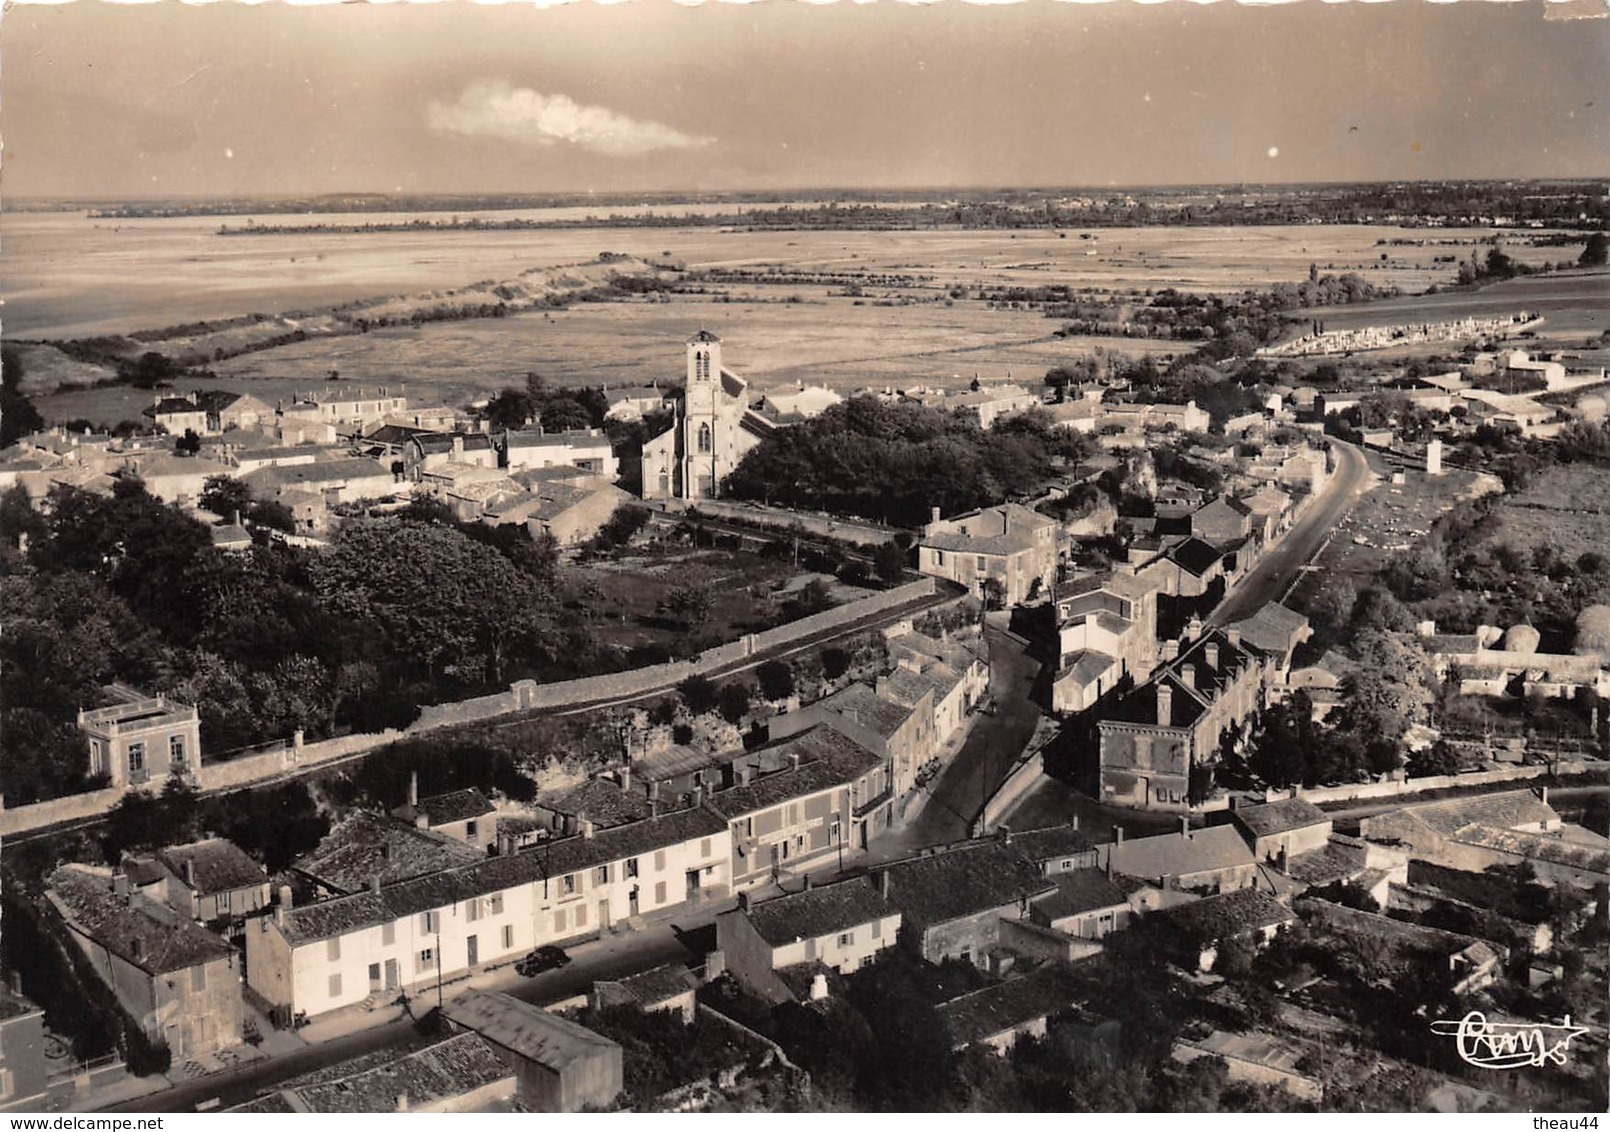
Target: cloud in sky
(502, 110)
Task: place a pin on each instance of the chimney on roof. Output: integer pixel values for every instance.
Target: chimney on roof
(458, 446)
(1073, 824)
(402, 1102)
(1117, 835)
(654, 809)
(1171, 650)
(881, 687)
(1005, 834)
(1188, 675)
(1185, 826)
(374, 884)
(1193, 629)
(1233, 635)
(626, 776)
(237, 516)
(698, 794)
(807, 879)
(190, 872)
(793, 760)
(120, 884)
(586, 829)
(745, 772)
(1210, 653)
(413, 788)
(1165, 705)
(883, 884)
(1545, 797)
(934, 514)
(743, 902)
(654, 791)
(1285, 859)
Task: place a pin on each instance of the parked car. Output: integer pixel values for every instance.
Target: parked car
(546, 958)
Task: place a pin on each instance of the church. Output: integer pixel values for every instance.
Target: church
(714, 427)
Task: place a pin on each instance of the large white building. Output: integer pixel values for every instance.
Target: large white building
(714, 428)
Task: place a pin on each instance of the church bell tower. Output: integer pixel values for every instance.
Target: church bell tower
(701, 417)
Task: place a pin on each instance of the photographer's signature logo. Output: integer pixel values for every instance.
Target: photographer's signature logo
(1510, 1045)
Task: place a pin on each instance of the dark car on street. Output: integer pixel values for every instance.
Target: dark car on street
(547, 958)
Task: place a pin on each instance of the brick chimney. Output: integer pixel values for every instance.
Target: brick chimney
(1233, 635)
(883, 884)
(626, 777)
(1185, 826)
(1165, 705)
(413, 788)
(1210, 653)
(1117, 835)
(190, 872)
(1188, 675)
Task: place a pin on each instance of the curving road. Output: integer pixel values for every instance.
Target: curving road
(1272, 577)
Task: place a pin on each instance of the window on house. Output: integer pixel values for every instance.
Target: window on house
(176, 750)
(569, 885)
(603, 874)
(631, 867)
(659, 893)
(95, 757)
(469, 829)
(877, 929)
(659, 861)
(559, 922)
(704, 847)
(982, 564)
(834, 832)
(136, 757)
(581, 915)
(508, 937)
(388, 934)
(427, 923)
(793, 813)
(472, 910)
(198, 978)
(220, 904)
(335, 986)
(496, 901)
(846, 938)
(810, 950)
(332, 948)
(427, 959)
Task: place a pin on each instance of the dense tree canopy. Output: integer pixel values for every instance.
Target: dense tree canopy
(895, 463)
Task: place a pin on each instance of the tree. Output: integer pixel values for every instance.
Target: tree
(188, 444)
(510, 409)
(835, 662)
(1596, 252)
(18, 417)
(1437, 759)
(776, 679)
(689, 605)
(1593, 631)
(226, 496)
(622, 526)
(440, 600)
(698, 694)
(733, 700)
(890, 561)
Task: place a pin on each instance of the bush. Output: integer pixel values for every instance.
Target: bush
(776, 680)
(733, 701)
(835, 662)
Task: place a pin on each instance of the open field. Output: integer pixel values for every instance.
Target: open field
(1566, 507)
(69, 276)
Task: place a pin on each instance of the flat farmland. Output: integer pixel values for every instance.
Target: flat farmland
(1566, 507)
(67, 275)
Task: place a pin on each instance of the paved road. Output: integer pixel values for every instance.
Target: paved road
(1271, 578)
(612, 957)
(984, 760)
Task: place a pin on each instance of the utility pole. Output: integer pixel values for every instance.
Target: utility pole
(438, 965)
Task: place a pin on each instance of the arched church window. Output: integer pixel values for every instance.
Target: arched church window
(704, 437)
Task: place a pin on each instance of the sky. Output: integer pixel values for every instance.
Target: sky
(227, 99)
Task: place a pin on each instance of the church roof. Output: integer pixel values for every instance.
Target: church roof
(704, 336)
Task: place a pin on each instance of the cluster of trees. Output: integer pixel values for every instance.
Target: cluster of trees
(396, 613)
(895, 463)
(556, 410)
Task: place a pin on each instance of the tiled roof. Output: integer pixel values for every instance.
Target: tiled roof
(172, 405)
(1048, 843)
(1508, 810)
(1173, 855)
(365, 846)
(962, 881)
(458, 805)
(230, 535)
(149, 935)
(659, 984)
(459, 1065)
(321, 472)
(1539, 846)
(1274, 629)
(862, 705)
(435, 443)
(817, 912)
(220, 866)
(828, 758)
(535, 1034)
(1079, 891)
(572, 438)
(396, 434)
(674, 761)
(1085, 666)
(1228, 915)
(1280, 817)
(1016, 525)
(1484, 890)
(1331, 862)
(602, 802)
(995, 1010)
(486, 875)
(1196, 555)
